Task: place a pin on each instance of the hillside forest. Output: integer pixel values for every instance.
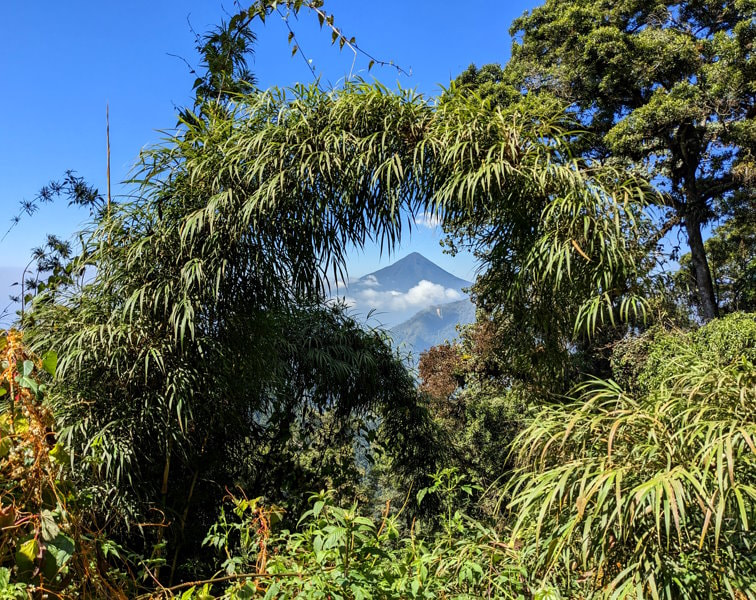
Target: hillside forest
(187, 413)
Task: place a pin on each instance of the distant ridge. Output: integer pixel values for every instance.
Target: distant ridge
(433, 325)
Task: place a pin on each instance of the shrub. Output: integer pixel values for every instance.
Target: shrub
(652, 495)
(338, 552)
(45, 546)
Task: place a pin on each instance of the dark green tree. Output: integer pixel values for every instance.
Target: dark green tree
(668, 86)
(202, 353)
(732, 255)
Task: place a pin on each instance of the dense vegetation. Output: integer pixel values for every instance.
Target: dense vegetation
(185, 412)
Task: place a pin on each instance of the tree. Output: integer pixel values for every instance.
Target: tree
(202, 336)
(732, 255)
(666, 85)
(204, 316)
(477, 414)
(440, 374)
(225, 52)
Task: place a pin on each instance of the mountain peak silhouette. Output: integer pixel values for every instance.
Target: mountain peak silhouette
(407, 272)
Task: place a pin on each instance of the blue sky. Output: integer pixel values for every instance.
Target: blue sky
(64, 61)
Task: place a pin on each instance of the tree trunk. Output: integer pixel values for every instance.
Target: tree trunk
(709, 307)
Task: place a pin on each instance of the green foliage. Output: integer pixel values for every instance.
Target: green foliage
(339, 553)
(653, 494)
(202, 355)
(644, 363)
(650, 75)
(489, 81)
(478, 419)
(492, 420)
(204, 319)
(582, 250)
(44, 543)
(549, 229)
(225, 52)
(666, 87)
(202, 352)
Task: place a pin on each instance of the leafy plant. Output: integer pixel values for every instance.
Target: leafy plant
(44, 545)
(340, 553)
(654, 495)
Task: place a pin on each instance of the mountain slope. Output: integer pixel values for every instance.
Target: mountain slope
(397, 292)
(406, 273)
(433, 325)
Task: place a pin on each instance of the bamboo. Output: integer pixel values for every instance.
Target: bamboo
(107, 136)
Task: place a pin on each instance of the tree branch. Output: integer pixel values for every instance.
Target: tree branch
(717, 187)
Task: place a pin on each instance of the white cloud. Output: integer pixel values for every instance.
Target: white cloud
(428, 220)
(369, 280)
(422, 295)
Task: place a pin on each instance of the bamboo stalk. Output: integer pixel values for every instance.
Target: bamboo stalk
(107, 136)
